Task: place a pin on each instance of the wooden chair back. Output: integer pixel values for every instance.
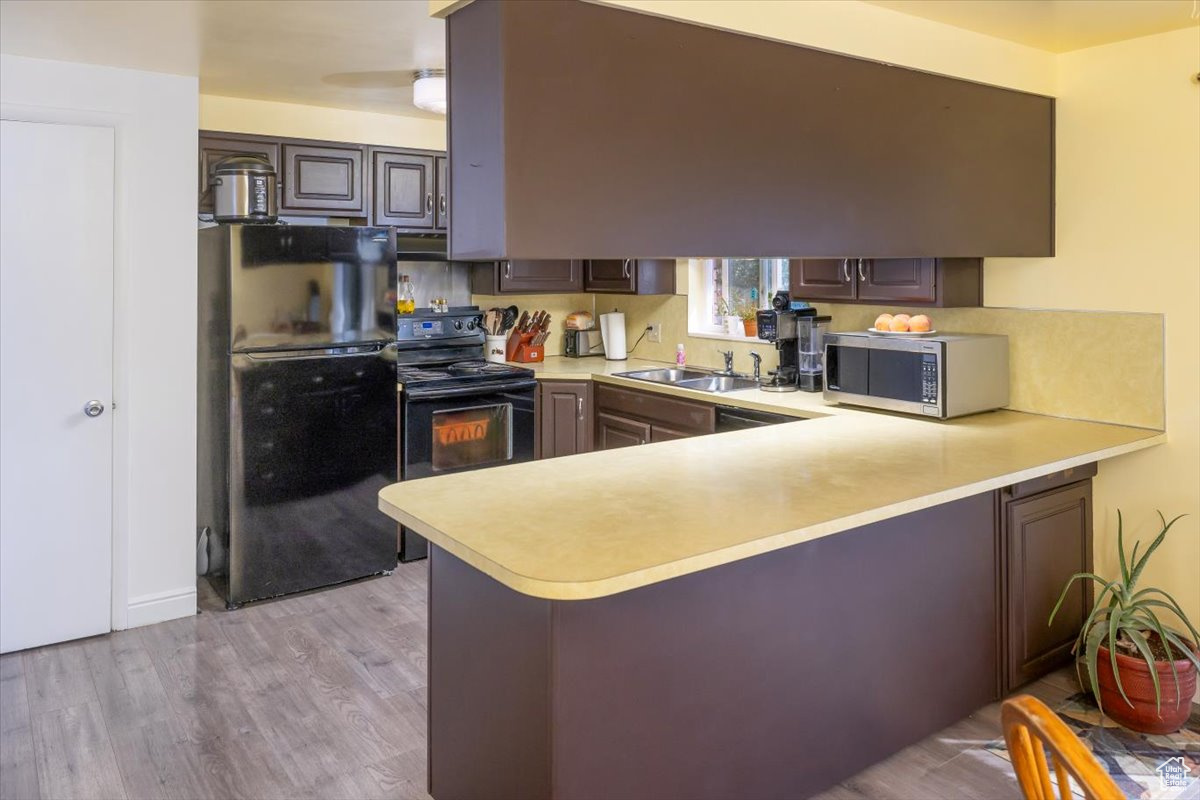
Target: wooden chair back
(1028, 725)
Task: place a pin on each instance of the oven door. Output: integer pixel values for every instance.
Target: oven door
(454, 430)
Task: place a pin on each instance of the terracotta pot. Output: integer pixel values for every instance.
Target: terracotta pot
(1143, 715)
(751, 326)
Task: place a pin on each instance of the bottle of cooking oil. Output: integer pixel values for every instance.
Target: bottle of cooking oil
(406, 300)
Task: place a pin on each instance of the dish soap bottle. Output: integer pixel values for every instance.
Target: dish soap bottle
(680, 356)
(406, 301)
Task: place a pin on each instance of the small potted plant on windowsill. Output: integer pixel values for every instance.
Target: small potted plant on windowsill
(730, 323)
(1142, 672)
(749, 315)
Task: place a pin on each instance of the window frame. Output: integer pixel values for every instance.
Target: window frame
(702, 296)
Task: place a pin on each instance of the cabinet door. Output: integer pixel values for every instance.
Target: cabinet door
(323, 178)
(822, 278)
(613, 432)
(565, 418)
(557, 275)
(897, 280)
(443, 193)
(615, 275)
(1048, 539)
(660, 433)
(214, 147)
(402, 189)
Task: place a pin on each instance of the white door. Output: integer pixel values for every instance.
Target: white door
(56, 342)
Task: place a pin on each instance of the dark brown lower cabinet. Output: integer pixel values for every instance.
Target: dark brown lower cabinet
(565, 418)
(627, 417)
(1047, 539)
(613, 432)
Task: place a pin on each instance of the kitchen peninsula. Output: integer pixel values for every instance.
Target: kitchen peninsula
(758, 613)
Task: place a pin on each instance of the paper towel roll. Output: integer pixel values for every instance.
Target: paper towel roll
(612, 329)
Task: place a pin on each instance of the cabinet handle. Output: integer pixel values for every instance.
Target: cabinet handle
(861, 275)
(442, 203)
(625, 268)
(579, 403)
(507, 269)
(429, 203)
(846, 269)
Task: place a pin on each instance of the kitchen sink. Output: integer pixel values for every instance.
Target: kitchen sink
(718, 383)
(670, 375)
(692, 379)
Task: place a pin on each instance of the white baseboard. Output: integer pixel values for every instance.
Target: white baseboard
(148, 609)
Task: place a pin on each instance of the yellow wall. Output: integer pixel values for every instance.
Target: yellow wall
(1128, 179)
(317, 122)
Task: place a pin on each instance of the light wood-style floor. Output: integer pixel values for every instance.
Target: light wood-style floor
(320, 695)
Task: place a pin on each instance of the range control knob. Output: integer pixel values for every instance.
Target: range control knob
(458, 324)
(471, 325)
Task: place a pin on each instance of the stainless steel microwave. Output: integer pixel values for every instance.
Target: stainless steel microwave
(943, 376)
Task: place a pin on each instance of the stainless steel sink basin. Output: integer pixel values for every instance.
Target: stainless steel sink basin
(670, 375)
(692, 379)
(718, 383)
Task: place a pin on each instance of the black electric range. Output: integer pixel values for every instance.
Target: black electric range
(458, 412)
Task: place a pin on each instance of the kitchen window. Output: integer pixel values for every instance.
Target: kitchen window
(730, 287)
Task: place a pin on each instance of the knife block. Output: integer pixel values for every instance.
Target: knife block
(520, 348)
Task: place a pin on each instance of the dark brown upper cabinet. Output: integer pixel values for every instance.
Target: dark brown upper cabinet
(216, 146)
(404, 189)
(443, 193)
(528, 277)
(323, 177)
(630, 276)
(941, 282)
(853, 156)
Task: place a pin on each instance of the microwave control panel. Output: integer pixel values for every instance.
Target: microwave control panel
(929, 378)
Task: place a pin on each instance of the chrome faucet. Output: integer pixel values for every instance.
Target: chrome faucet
(728, 355)
(757, 364)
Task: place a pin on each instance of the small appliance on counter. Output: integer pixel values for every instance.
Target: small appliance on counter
(244, 190)
(578, 344)
(796, 334)
(943, 376)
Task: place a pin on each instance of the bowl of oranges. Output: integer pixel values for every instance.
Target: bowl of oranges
(902, 325)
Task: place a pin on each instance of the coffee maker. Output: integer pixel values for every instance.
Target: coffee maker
(797, 334)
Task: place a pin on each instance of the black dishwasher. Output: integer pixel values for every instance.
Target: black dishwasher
(730, 418)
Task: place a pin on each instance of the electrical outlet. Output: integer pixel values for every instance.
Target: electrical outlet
(654, 332)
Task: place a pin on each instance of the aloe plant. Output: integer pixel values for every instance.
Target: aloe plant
(1130, 614)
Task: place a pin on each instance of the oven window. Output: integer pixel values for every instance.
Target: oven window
(472, 437)
(895, 374)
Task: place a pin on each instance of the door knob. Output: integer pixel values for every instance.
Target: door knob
(94, 408)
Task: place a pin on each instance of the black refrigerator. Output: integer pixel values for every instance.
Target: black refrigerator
(297, 406)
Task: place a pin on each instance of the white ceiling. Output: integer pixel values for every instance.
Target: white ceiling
(356, 54)
(359, 54)
(1056, 25)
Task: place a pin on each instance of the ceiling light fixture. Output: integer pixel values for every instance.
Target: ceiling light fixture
(429, 90)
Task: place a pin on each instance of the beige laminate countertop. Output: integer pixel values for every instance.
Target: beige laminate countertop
(599, 523)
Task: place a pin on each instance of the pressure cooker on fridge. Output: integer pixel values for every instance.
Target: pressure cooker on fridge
(244, 190)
